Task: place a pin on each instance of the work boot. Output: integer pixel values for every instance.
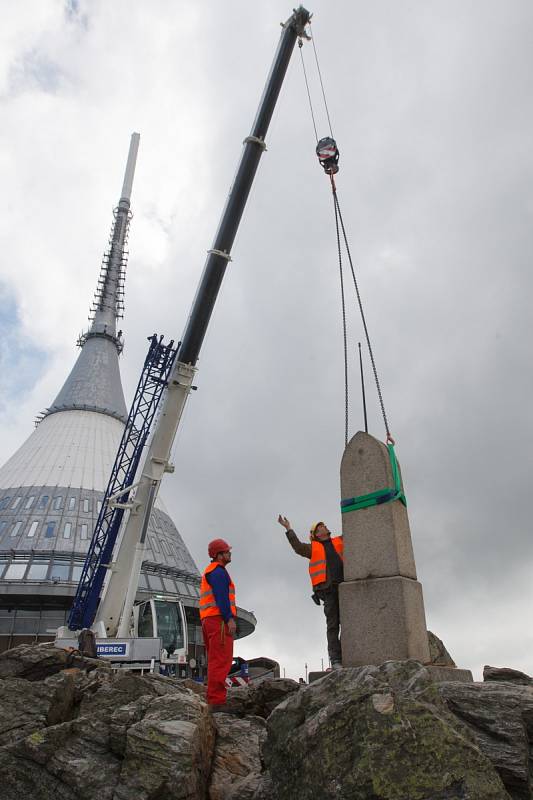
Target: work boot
(336, 665)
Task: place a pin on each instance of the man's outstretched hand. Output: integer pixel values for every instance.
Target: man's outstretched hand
(232, 627)
(285, 522)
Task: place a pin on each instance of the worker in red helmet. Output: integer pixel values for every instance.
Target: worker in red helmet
(326, 571)
(218, 614)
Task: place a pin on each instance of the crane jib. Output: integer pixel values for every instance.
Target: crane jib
(215, 266)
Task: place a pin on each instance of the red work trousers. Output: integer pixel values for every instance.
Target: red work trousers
(219, 652)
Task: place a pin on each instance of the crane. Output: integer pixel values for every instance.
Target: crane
(109, 608)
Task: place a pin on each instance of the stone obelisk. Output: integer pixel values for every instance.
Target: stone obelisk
(381, 603)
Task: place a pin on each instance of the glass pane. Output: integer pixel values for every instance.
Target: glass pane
(169, 626)
(60, 571)
(169, 585)
(50, 528)
(86, 505)
(146, 625)
(16, 501)
(16, 528)
(29, 501)
(83, 534)
(37, 571)
(155, 546)
(58, 502)
(66, 530)
(5, 502)
(72, 503)
(2, 526)
(99, 506)
(16, 570)
(43, 502)
(76, 574)
(33, 528)
(155, 583)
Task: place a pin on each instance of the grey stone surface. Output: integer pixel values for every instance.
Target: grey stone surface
(387, 732)
(373, 733)
(382, 619)
(381, 603)
(236, 765)
(438, 653)
(377, 540)
(440, 674)
(500, 716)
(506, 675)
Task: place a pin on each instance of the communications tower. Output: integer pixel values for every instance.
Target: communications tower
(52, 487)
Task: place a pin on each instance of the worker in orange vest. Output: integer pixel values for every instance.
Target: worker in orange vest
(326, 571)
(218, 614)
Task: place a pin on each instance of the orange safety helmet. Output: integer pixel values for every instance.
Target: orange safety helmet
(217, 546)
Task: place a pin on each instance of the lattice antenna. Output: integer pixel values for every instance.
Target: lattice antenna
(108, 303)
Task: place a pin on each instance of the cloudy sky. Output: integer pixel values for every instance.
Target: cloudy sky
(431, 105)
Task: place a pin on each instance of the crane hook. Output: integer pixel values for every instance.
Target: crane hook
(328, 155)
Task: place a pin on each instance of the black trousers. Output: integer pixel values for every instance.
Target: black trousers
(330, 598)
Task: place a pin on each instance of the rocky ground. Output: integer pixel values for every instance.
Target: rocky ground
(71, 729)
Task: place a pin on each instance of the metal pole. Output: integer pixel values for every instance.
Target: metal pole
(130, 168)
(363, 386)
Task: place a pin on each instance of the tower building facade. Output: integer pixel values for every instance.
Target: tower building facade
(51, 489)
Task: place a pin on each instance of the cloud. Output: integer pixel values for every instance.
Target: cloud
(431, 108)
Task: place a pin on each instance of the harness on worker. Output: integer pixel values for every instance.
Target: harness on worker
(328, 156)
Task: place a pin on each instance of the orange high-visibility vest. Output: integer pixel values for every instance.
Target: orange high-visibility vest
(208, 606)
(317, 563)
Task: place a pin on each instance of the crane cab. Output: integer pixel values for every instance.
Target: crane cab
(163, 617)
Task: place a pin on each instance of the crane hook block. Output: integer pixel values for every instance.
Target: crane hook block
(328, 155)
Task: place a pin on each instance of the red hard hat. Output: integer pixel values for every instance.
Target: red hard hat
(217, 546)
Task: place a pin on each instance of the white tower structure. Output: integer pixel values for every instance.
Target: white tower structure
(52, 487)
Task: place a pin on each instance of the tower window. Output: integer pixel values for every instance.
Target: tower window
(16, 570)
(155, 545)
(2, 526)
(16, 528)
(71, 503)
(66, 530)
(84, 531)
(16, 501)
(50, 529)
(32, 529)
(37, 571)
(60, 571)
(43, 502)
(86, 507)
(29, 501)
(58, 502)
(4, 502)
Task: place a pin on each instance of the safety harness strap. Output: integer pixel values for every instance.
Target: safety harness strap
(387, 495)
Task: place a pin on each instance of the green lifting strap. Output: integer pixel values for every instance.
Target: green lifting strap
(382, 495)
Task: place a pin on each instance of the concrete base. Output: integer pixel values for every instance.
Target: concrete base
(382, 619)
(438, 674)
(445, 674)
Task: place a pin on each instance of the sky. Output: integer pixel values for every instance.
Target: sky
(430, 104)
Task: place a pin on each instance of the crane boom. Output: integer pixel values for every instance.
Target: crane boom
(114, 612)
